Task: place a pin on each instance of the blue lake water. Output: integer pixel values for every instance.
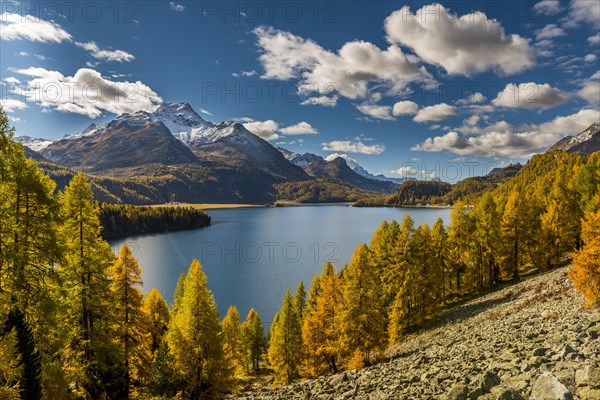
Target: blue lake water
(251, 255)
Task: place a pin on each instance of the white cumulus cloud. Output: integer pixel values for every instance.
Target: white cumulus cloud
(473, 99)
(529, 95)
(548, 7)
(103, 54)
(405, 108)
(464, 45)
(590, 89)
(348, 71)
(405, 171)
(376, 111)
(504, 139)
(11, 105)
(325, 101)
(353, 146)
(301, 128)
(549, 31)
(583, 12)
(86, 92)
(27, 27)
(438, 112)
(264, 129)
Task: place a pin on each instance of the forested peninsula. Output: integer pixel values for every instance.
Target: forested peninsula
(126, 220)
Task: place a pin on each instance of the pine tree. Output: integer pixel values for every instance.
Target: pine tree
(585, 271)
(29, 249)
(380, 243)
(513, 231)
(439, 245)
(300, 300)
(130, 318)
(254, 341)
(29, 359)
(285, 345)
(232, 332)
(320, 333)
(361, 317)
(178, 294)
(486, 236)
(426, 285)
(561, 224)
(163, 380)
(419, 293)
(459, 242)
(195, 338)
(399, 261)
(91, 356)
(313, 291)
(157, 319)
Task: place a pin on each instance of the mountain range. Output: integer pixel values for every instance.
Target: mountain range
(173, 154)
(189, 159)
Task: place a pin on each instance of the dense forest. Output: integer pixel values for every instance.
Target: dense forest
(74, 323)
(321, 190)
(412, 193)
(125, 220)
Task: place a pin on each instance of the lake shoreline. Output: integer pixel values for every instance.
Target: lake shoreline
(435, 206)
(230, 206)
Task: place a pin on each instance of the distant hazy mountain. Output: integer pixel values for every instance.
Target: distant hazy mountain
(35, 144)
(338, 168)
(356, 167)
(300, 160)
(586, 142)
(304, 160)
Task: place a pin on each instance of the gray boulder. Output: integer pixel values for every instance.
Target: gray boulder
(548, 387)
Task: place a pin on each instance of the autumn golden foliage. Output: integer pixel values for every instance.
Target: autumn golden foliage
(585, 271)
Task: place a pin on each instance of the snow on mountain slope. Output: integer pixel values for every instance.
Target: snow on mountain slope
(35, 144)
(191, 129)
(352, 163)
(356, 167)
(586, 142)
(300, 160)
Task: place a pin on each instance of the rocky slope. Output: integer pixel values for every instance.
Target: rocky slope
(124, 142)
(339, 169)
(587, 142)
(532, 340)
(305, 160)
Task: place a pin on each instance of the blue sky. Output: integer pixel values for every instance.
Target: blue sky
(402, 87)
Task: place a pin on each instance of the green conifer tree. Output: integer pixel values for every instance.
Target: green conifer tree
(195, 339)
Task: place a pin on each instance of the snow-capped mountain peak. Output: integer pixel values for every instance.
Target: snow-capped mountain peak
(180, 118)
(352, 163)
(191, 129)
(300, 160)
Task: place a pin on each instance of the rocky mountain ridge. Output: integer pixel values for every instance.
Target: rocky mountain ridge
(587, 142)
(304, 160)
